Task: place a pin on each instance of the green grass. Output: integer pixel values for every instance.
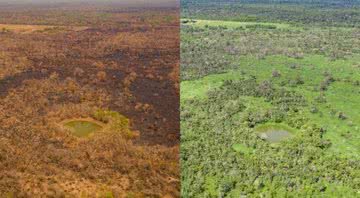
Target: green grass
(198, 88)
(241, 148)
(235, 24)
(341, 96)
(240, 79)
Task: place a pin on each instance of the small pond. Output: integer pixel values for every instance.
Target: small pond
(82, 128)
(275, 136)
(274, 133)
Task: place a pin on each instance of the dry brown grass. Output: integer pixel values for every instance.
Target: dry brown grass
(51, 73)
(26, 29)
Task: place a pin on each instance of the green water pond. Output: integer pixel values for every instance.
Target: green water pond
(275, 136)
(82, 128)
(275, 133)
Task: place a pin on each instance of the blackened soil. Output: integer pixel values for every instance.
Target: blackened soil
(16, 80)
(159, 126)
(164, 123)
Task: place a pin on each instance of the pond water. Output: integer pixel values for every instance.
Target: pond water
(275, 136)
(81, 128)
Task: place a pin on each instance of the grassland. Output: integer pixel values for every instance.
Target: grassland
(342, 96)
(237, 78)
(234, 24)
(32, 28)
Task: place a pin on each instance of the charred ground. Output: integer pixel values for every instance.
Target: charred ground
(89, 59)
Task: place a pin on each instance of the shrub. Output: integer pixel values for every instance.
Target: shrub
(117, 122)
(101, 76)
(276, 74)
(342, 116)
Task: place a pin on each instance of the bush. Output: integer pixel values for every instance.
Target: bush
(117, 123)
(276, 74)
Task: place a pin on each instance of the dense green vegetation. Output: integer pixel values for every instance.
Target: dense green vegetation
(319, 12)
(241, 77)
